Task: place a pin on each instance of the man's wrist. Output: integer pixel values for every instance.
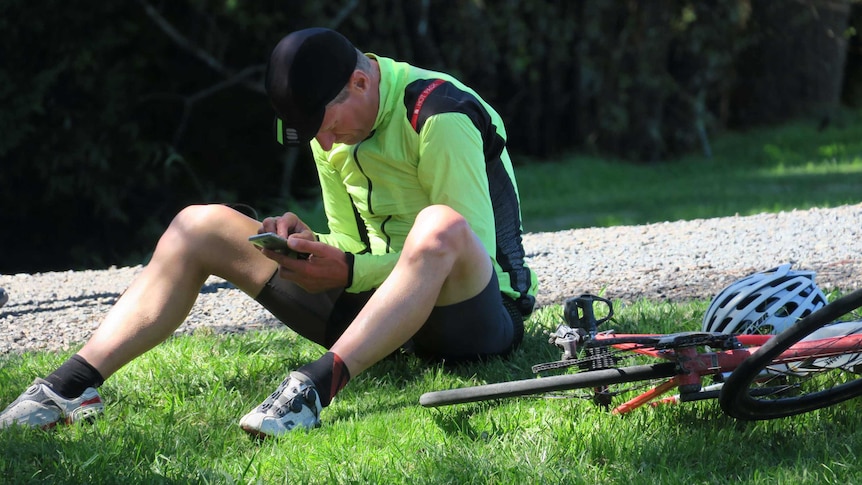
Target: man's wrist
(349, 259)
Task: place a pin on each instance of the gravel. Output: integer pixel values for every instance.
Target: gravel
(673, 261)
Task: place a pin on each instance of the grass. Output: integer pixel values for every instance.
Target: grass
(171, 418)
(765, 170)
(172, 413)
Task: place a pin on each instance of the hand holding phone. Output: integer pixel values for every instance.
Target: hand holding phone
(274, 242)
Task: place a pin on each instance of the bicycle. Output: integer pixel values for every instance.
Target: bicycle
(681, 361)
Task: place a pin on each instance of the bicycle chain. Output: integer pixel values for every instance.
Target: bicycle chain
(560, 364)
(600, 359)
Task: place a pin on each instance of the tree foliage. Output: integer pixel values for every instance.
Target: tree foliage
(117, 114)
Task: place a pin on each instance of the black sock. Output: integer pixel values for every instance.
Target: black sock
(73, 377)
(329, 375)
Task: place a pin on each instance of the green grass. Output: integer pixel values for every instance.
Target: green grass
(172, 414)
(765, 170)
(171, 418)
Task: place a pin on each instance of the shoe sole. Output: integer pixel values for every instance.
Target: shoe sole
(256, 433)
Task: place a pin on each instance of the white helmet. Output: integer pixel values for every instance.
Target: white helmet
(764, 303)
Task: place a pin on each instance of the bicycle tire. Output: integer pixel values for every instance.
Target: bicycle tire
(738, 399)
(595, 378)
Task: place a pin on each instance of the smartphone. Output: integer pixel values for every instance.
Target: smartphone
(274, 242)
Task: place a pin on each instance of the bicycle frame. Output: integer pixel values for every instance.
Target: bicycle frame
(693, 365)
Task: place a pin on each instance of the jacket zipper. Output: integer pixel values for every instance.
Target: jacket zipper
(368, 198)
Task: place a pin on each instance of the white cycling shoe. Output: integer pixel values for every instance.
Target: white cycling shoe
(294, 405)
(40, 407)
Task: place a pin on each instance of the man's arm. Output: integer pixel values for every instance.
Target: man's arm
(452, 169)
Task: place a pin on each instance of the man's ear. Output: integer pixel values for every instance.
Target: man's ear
(360, 81)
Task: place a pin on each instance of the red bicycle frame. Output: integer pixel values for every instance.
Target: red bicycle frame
(693, 365)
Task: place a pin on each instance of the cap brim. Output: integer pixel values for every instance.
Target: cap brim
(297, 132)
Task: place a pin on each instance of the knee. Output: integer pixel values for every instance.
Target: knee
(441, 229)
(196, 223)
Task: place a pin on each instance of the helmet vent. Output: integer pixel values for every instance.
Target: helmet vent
(746, 301)
(787, 310)
(765, 304)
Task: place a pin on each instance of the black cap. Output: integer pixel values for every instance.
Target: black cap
(307, 70)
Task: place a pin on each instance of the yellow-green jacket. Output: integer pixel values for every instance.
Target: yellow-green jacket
(451, 151)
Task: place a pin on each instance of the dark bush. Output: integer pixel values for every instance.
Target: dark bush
(118, 114)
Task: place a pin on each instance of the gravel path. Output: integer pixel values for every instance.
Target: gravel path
(668, 261)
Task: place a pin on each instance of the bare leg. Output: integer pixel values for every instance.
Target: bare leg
(442, 263)
(201, 241)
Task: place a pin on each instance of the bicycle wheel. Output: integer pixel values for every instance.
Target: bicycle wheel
(580, 380)
(830, 373)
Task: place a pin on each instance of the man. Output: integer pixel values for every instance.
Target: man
(424, 241)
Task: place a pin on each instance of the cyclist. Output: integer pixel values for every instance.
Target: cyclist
(424, 240)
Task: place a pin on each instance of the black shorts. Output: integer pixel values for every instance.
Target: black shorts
(487, 324)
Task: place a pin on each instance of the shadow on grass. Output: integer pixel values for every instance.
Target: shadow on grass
(80, 456)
